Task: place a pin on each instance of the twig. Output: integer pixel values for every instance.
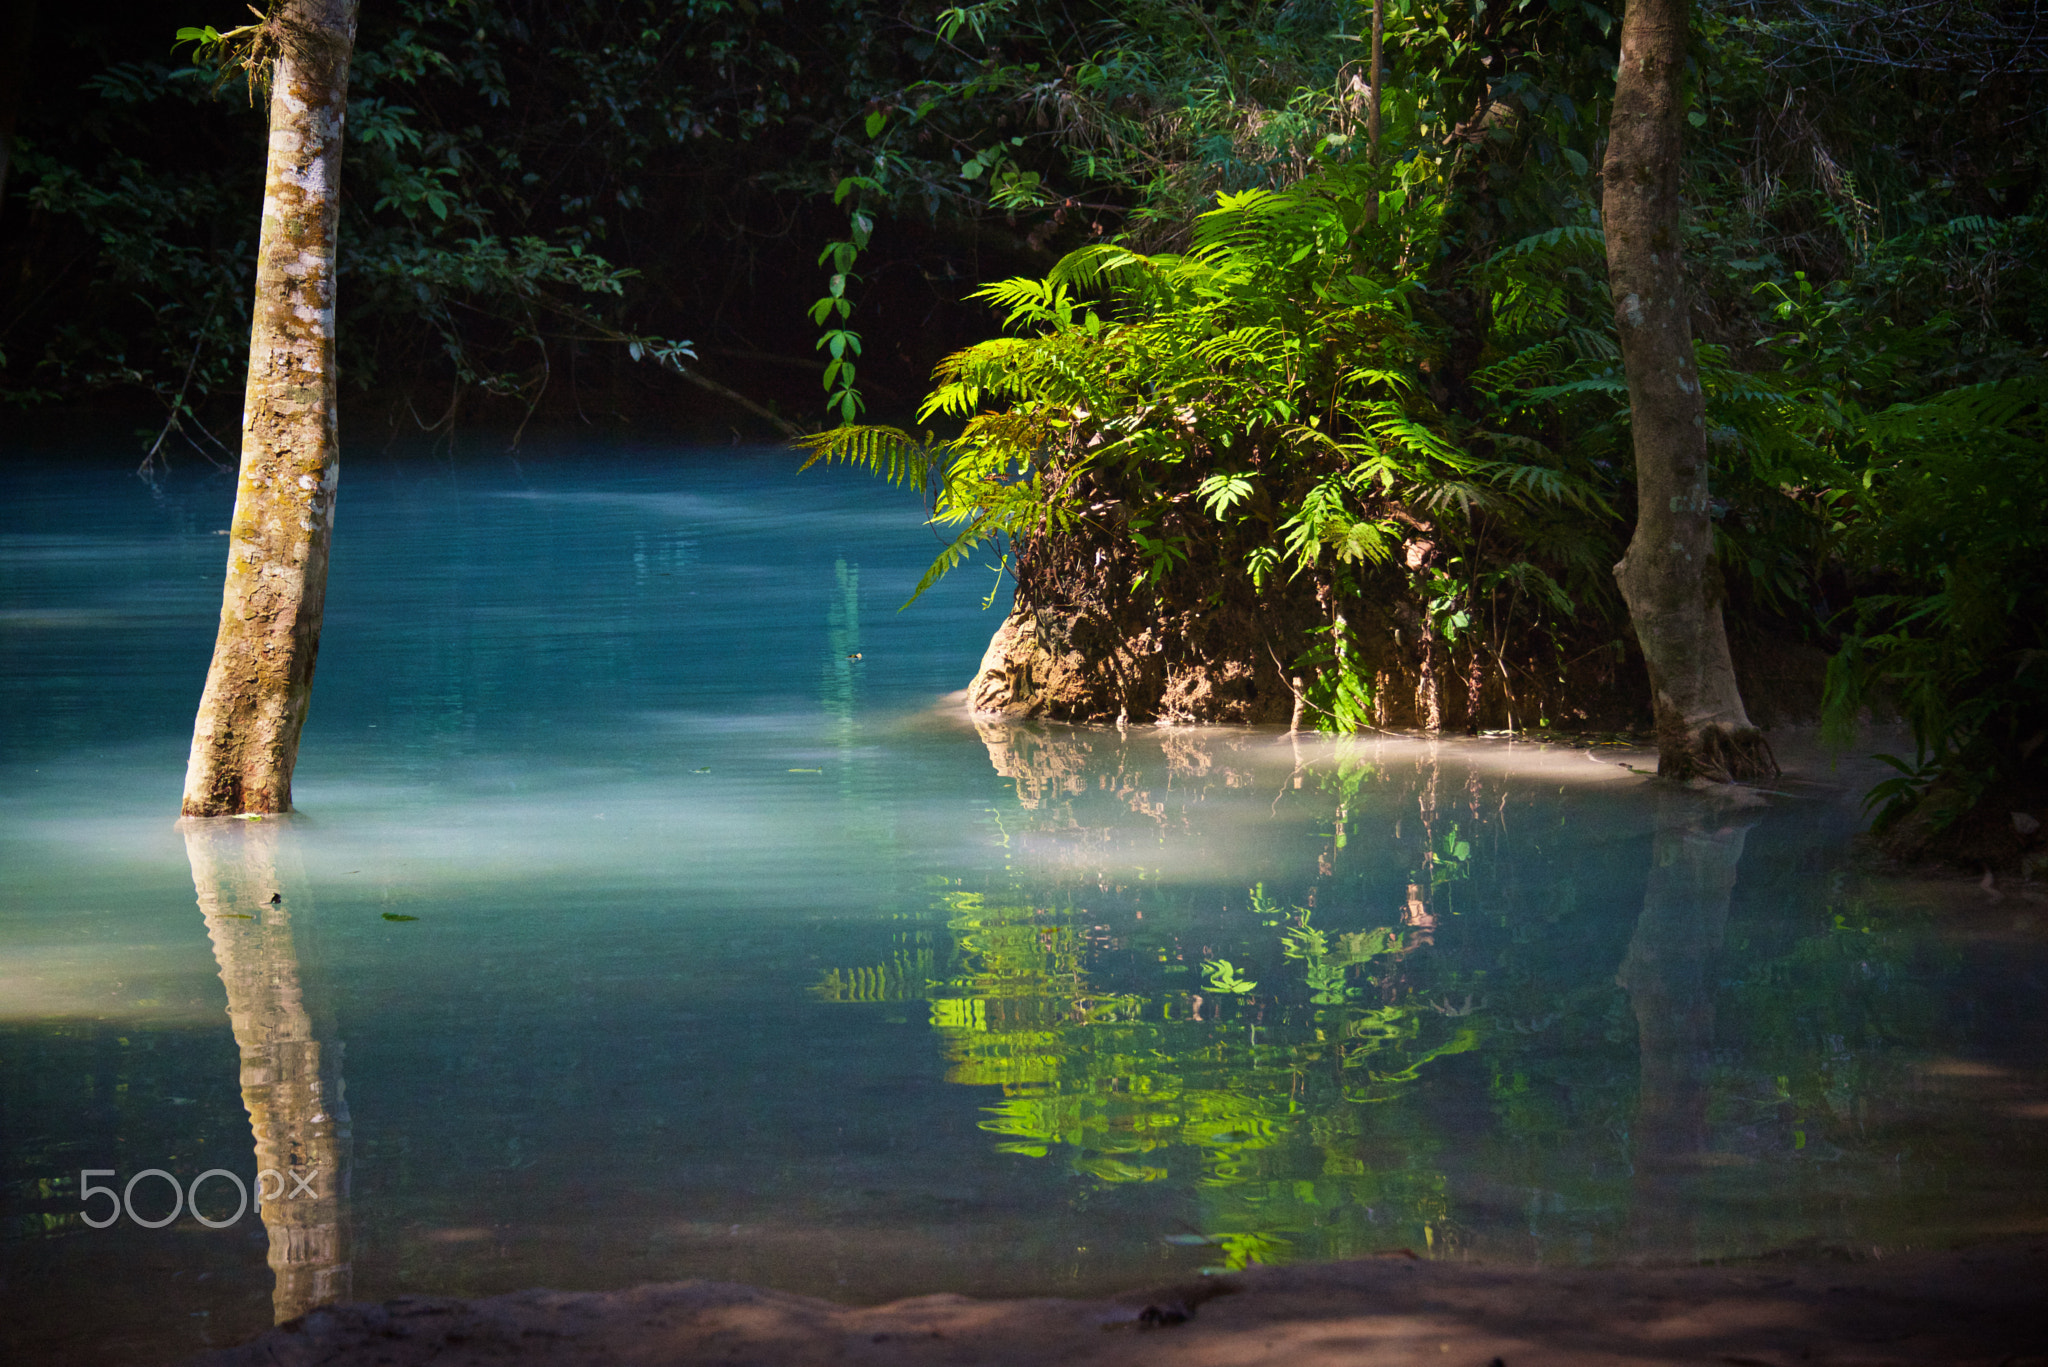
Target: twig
(198, 345)
(702, 381)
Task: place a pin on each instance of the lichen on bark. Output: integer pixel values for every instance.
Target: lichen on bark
(245, 740)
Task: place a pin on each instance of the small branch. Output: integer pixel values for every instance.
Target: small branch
(608, 333)
(702, 381)
(767, 358)
(178, 401)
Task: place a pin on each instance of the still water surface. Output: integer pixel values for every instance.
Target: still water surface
(652, 913)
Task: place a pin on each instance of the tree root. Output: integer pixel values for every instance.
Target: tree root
(1719, 754)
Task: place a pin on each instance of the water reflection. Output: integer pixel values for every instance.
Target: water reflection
(1136, 1040)
(291, 1080)
(1216, 995)
(1669, 977)
(1411, 1031)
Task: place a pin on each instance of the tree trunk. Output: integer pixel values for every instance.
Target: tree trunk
(1668, 576)
(1372, 107)
(291, 1086)
(246, 739)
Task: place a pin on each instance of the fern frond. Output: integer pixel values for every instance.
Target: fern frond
(1515, 371)
(1543, 481)
(1090, 267)
(948, 559)
(970, 374)
(1962, 416)
(1565, 240)
(1027, 301)
(1513, 441)
(1263, 346)
(1409, 435)
(1589, 345)
(1609, 383)
(1528, 307)
(888, 452)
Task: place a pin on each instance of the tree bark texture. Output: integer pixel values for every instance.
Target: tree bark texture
(1372, 108)
(246, 739)
(1668, 576)
(291, 1084)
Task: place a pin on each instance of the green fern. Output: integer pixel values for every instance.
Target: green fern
(1276, 375)
(887, 452)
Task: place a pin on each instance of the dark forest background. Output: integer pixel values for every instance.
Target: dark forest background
(534, 184)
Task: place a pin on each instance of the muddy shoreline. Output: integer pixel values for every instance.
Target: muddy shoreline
(1987, 1304)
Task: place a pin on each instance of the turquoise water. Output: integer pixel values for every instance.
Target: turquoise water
(652, 912)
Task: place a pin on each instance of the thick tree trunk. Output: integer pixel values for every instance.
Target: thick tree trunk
(291, 1085)
(246, 739)
(1668, 576)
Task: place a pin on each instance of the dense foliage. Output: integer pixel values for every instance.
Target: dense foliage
(534, 188)
(1338, 363)
(1271, 389)
(1256, 328)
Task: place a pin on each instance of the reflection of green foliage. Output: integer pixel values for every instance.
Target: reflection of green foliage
(1327, 961)
(1274, 1123)
(1344, 779)
(905, 978)
(1246, 1250)
(1819, 1011)
(1302, 1116)
(1451, 860)
(1220, 975)
(1265, 908)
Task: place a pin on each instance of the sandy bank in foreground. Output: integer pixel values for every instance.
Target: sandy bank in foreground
(1985, 1305)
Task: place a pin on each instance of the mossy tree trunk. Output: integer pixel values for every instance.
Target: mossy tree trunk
(1668, 575)
(246, 739)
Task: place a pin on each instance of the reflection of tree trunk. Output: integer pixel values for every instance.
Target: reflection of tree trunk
(299, 1117)
(1668, 977)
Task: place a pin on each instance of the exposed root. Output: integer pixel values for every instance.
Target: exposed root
(1718, 754)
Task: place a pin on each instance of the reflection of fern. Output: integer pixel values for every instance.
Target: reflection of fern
(1220, 975)
(1128, 1087)
(908, 978)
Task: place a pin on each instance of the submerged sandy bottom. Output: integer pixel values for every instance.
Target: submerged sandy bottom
(1982, 1305)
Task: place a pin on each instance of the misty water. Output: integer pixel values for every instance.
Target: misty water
(654, 911)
